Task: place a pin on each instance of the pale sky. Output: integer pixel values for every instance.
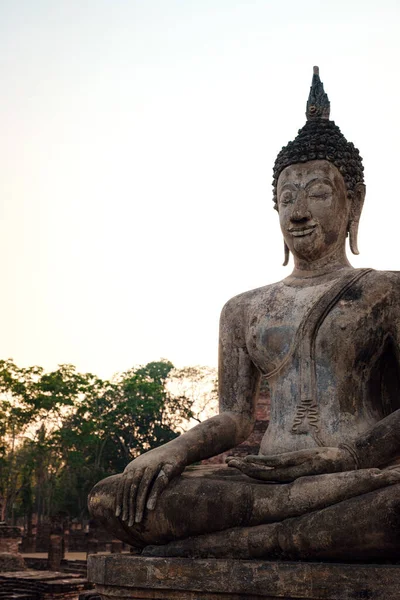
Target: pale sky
(137, 145)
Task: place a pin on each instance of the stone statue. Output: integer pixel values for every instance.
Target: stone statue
(325, 484)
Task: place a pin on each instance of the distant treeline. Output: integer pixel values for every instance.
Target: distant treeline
(63, 431)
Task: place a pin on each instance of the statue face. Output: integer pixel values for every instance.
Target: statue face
(313, 209)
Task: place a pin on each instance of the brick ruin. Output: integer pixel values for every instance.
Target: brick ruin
(252, 444)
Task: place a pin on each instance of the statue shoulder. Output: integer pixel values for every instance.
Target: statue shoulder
(392, 280)
(384, 280)
(383, 288)
(244, 301)
(235, 313)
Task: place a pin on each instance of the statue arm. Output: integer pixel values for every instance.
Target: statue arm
(146, 477)
(238, 385)
(380, 445)
(376, 448)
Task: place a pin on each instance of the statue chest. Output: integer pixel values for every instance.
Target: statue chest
(285, 327)
(274, 325)
(319, 380)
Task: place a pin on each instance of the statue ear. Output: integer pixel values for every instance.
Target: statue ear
(287, 253)
(357, 202)
(285, 247)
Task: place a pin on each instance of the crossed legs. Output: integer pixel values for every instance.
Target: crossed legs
(218, 512)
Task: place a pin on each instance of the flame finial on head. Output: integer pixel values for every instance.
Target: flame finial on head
(320, 139)
(318, 105)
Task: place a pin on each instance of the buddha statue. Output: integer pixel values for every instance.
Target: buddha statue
(325, 485)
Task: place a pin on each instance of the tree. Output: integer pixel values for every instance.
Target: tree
(61, 432)
(200, 384)
(29, 398)
(17, 411)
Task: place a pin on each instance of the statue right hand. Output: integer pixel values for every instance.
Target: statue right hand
(143, 481)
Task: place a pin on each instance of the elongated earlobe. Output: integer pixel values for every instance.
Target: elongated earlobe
(287, 253)
(357, 202)
(353, 236)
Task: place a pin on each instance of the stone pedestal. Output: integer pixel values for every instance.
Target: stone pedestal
(123, 576)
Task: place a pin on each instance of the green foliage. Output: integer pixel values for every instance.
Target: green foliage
(61, 432)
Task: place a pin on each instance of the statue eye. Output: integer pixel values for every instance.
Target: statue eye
(318, 195)
(319, 192)
(286, 197)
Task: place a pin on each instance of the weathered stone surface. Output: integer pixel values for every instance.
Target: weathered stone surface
(76, 567)
(42, 585)
(10, 559)
(55, 552)
(325, 484)
(10, 537)
(124, 576)
(11, 562)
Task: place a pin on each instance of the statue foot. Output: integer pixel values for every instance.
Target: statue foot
(240, 542)
(361, 528)
(243, 519)
(172, 550)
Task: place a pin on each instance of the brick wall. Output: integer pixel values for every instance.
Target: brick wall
(252, 444)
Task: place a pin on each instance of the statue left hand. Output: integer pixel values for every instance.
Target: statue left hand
(292, 465)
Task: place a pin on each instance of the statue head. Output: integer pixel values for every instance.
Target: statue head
(331, 200)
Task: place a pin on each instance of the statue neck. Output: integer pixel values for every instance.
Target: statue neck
(326, 264)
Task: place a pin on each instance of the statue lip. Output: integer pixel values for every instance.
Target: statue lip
(301, 231)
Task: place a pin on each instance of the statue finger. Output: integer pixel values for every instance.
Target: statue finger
(237, 463)
(132, 497)
(257, 472)
(391, 474)
(266, 472)
(254, 471)
(125, 496)
(120, 495)
(288, 474)
(142, 493)
(272, 475)
(159, 485)
(228, 458)
(287, 459)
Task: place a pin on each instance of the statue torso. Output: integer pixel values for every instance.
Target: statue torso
(357, 372)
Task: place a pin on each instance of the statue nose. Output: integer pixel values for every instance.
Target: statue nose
(300, 215)
(300, 210)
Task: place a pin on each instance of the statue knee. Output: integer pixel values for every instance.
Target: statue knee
(101, 499)
(101, 504)
(392, 507)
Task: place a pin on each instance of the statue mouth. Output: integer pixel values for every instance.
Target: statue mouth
(301, 232)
